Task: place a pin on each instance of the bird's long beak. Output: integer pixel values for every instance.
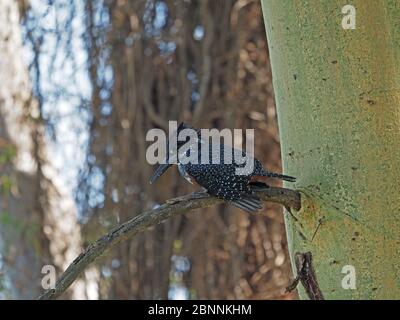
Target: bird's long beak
(159, 172)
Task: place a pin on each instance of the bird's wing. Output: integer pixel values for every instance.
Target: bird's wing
(220, 181)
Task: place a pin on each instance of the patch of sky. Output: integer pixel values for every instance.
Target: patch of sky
(167, 47)
(195, 96)
(198, 33)
(155, 17)
(62, 81)
(192, 77)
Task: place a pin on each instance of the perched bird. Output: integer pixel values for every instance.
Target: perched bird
(219, 177)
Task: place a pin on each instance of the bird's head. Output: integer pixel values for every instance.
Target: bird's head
(173, 146)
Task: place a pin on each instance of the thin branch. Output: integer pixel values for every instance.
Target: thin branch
(173, 207)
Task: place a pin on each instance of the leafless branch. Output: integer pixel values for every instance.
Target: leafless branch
(173, 207)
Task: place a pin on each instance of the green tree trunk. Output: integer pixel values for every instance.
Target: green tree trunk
(338, 100)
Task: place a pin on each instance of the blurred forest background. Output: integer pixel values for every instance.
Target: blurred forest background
(81, 84)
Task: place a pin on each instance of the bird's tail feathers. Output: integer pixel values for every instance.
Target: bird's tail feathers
(247, 202)
(278, 176)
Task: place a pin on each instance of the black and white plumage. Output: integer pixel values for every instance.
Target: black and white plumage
(219, 176)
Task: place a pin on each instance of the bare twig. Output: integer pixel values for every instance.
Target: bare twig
(173, 207)
(306, 275)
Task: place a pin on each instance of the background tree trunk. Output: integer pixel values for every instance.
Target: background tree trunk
(38, 224)
(23, 247)
(338, 102)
